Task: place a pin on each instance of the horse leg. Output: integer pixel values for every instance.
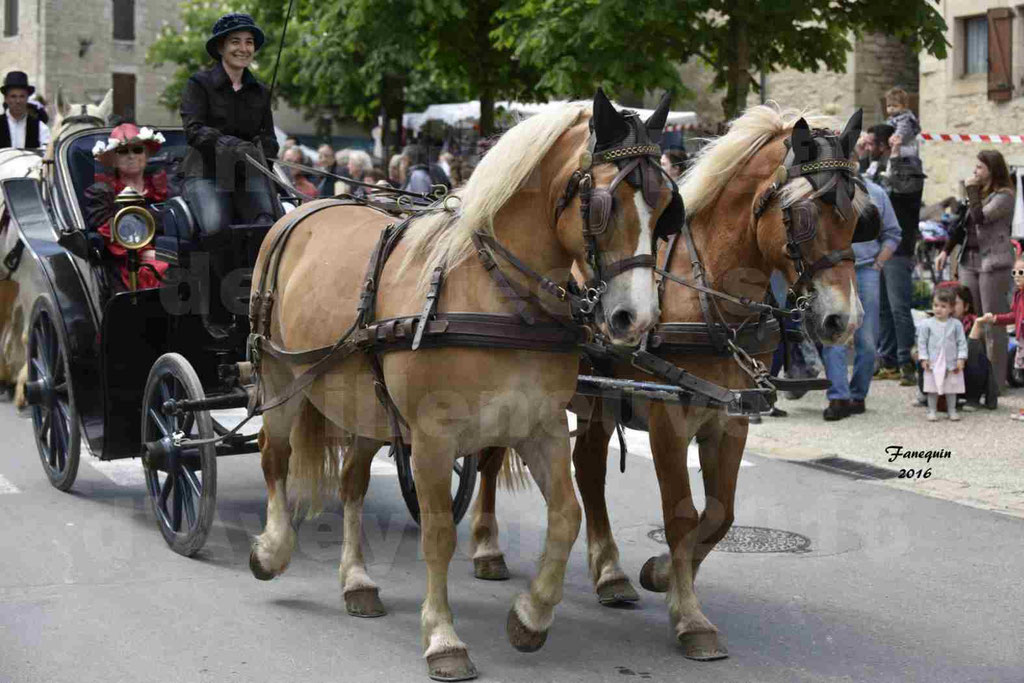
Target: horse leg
(20, 402)
(362, 598)
(590, 456)
(488, 560)
(547, 458)
(282, 431)
(697, 635)
(432, 461)
(721, 451)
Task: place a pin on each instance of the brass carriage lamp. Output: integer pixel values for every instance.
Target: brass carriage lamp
(133, 228)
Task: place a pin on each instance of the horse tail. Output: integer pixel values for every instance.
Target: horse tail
(314, 466)
(513, 475)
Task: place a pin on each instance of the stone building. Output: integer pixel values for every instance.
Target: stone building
(876, 63)
(977, 89)
(89, 46)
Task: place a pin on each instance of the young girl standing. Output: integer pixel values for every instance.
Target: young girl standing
(943, 347)
(1016, 317)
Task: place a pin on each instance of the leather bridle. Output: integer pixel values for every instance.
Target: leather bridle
(833, 178)
(639, 165)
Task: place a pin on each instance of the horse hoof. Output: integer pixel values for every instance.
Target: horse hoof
(617, 593)
(450, 666)
(648, 577)
(257, 569)
(702, 647)
(365, 603)
(523, 638)
(490, 568)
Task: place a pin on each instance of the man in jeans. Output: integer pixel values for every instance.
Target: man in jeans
(846, 397)
(896, 330)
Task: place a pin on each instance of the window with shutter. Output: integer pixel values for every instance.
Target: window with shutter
(10, 17)
(1000, 57)
(124, 19)
(975, 50)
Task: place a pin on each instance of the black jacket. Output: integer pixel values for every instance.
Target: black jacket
(217, 120)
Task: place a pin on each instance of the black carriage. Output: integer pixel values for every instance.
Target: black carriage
(135, 373)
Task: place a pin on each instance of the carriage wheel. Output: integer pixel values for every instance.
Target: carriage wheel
(182, 482)
(54, 417)
(464, 483)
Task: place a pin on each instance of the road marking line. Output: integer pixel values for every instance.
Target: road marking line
(126, 472)
(7, 487)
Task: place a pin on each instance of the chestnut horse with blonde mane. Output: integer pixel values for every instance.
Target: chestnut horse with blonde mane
(454, 401)
(738, 249)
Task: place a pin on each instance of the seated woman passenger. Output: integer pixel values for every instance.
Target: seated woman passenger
(226, 115)
(126, 152)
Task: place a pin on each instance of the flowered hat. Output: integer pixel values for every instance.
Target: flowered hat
(229, 23)
(126, 134)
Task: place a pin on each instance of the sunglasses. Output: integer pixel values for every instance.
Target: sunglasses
(139, 149)
(1017, 273)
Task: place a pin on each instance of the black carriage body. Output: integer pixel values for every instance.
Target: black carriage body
(113, 340)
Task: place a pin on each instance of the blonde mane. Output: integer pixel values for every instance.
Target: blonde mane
(719, 161)
(443, 240)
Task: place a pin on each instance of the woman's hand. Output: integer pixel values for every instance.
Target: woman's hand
(940, 260)
(987, 318)
(959, 365)
(927, 365)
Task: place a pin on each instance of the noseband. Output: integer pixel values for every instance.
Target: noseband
(833, 179)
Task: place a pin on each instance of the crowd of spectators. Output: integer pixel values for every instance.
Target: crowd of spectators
(351, 171)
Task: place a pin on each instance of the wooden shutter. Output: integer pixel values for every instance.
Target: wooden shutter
(124, 96)
(1000, 54)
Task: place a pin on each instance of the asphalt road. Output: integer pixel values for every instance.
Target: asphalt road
(894, 587)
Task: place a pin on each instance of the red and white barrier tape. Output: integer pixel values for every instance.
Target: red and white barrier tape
(972, 137)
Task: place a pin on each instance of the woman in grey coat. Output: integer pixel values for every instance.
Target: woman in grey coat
(987, 255)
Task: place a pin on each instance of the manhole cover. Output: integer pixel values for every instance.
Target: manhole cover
(753, 539)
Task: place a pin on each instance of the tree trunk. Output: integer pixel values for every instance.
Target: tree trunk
(486, 113)
(392, 102)
(737, 69)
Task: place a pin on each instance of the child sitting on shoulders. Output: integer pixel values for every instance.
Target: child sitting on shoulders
(904, 141)
(1016, 317)
(942, 345)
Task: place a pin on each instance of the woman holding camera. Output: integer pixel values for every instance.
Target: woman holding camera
(987, 256)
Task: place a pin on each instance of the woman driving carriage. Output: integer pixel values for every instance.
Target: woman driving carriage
(126, 152)
(226, 115)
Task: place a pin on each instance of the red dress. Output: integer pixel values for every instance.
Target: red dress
(154, 190)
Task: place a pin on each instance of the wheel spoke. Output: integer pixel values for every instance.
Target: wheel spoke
(188, 498)
(155, 417)
(40, 369)
(177, 501)
(458, 468)
(165, 489)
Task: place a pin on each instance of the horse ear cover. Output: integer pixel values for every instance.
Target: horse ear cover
(851, 132)
(656, 123)
(802, 144)
(610, 128)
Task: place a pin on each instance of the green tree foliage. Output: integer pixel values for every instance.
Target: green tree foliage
(185, 45)
(603, 41)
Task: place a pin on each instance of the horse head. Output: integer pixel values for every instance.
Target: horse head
(610, 214)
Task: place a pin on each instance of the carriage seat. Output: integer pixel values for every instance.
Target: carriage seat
(179, 235)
